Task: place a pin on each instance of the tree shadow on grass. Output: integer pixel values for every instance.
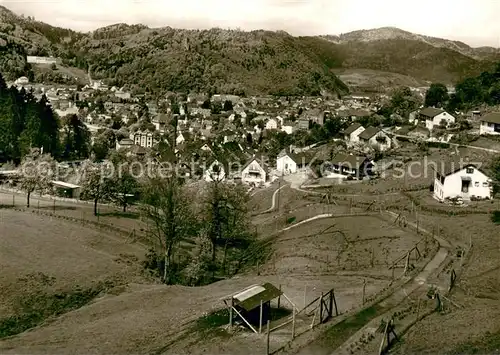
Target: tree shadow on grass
(130, 215)
(54, 208)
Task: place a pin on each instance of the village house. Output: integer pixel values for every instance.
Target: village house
(272, 123)
(490, 124)
(288, 162)
(160, 122)
(302, 124)
(375, 138)
(288, 127)
(351, 133)
(315, 115)
(254, 172)
(435, 117)
(182, 137)
(229, 136)
(143, 138)
(122, 95)
(351, 166)
(461, 180)
(124, 143)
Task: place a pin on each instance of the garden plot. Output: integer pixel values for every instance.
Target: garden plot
(363, 244)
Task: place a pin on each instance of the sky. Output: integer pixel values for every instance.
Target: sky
(475, 22)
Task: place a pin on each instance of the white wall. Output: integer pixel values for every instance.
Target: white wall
(286, 165)
(487, 128)
(381, 146)
(354, 136)
(436, 121)
(287, 129)
(246, 177)
(452, 187)
(272, 124)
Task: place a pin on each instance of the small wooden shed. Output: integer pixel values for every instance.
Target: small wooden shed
(253, 305)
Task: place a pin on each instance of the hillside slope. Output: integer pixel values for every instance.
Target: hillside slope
(210, 60)
(233, 61)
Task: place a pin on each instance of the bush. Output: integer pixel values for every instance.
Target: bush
(291, 220)
(495, 217)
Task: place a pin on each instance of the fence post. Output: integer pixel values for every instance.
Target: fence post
(260, 318)
(335, 303)
(231, 314)
(13, 200)
(330, 313)
(279, 297)
(268, 333)
(321, 309)
(293, 322)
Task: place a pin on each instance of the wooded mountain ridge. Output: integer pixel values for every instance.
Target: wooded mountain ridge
(234, 61)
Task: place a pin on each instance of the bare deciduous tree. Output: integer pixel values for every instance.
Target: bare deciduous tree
(96, 182)
(37, 172)
(166, 205)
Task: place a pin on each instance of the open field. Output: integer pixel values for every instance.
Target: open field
(374, 80)
(77, 210)
(146, 318)
(43, 256)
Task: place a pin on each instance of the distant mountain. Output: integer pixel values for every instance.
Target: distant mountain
(163, 59)
(393, 33)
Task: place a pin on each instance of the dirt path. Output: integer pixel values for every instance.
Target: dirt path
(273, 199)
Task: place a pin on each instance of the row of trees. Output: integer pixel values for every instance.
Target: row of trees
(27, 123)
(469, 93)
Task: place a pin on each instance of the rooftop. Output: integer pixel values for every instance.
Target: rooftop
(251, 297)
(431, 112)
(493, 117)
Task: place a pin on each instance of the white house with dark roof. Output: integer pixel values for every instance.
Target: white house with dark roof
(461, 179)
(490, 124)
(254, 172)
(434, 117)
(375, 138)
(351, 134)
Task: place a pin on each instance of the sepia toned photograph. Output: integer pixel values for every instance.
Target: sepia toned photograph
(266, 177)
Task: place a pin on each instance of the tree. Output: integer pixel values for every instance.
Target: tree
(216, 108)
(165, 204)
(123, 189)
(228, 105)
(96, 182)
(403, 101)
(76, 138)
(206, 104)
(225, 216)
(37, 172)
(437, 95)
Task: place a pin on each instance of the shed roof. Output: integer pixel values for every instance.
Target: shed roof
(369, 133)
(251, 297)
(493, 117)
(347, 160)
(352, 128)
(65, 185)
(431, 112)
